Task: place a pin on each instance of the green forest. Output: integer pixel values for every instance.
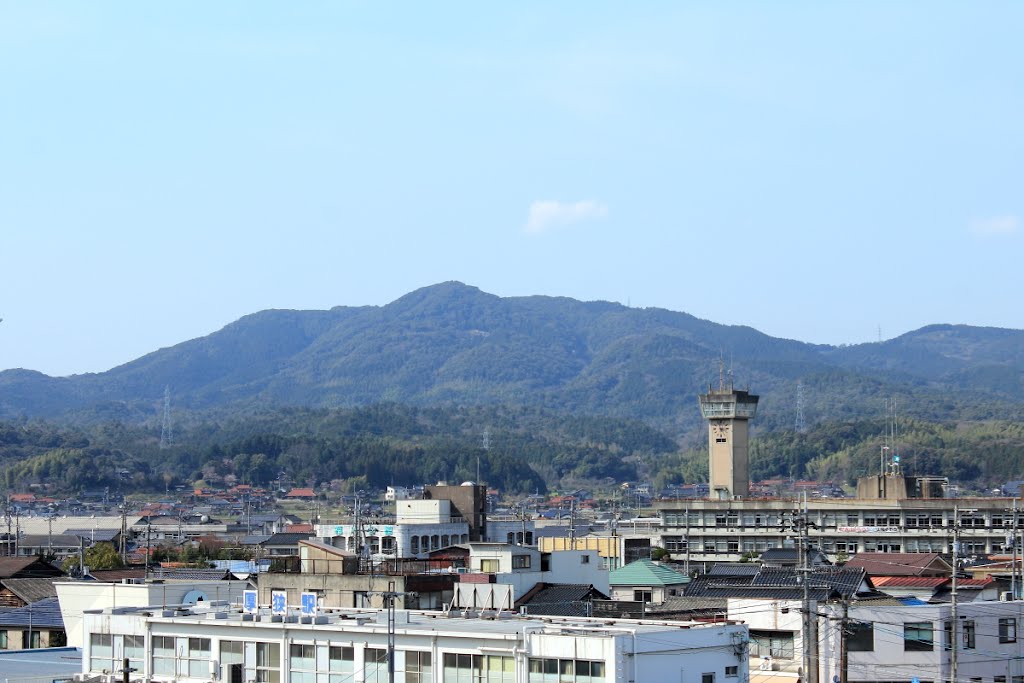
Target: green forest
(515, 449)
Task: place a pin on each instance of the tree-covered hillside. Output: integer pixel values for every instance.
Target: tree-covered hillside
(453, 345)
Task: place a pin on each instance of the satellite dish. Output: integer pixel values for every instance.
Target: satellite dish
(194, 596)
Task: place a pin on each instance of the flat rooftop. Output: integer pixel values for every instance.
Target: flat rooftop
(489, 622)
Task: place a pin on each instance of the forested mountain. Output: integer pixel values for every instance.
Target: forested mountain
(571, 391)
(451, 344)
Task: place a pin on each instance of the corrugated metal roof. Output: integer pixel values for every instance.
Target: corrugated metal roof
(908, 581)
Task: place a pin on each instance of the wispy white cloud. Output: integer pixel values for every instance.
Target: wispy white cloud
(995, 226)
(549, 214)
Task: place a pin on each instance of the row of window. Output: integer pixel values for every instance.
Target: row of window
(550, 670)
(919, 636)
(191, 657)
(32, 639)
(924, 520)
(732, 544)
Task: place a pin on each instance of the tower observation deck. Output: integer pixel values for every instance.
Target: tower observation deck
(728, 411)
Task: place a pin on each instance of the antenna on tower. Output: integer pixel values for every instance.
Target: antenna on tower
(721, 371)
(166, 435)
(801, 424)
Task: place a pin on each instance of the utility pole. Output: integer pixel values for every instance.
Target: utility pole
(809, 622)
(1013, 553)
(844, 653)
(389, 597)
(954, 629)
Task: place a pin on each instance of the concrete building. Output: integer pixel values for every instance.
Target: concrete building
(887, 640)
(497, 574)
(724, 530)
(77, 597)
(728, 412)
(220, 643)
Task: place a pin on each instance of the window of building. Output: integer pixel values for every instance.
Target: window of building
(163, 656)
(918, 636)
(999, 679)
(460, 668)
(134, 648)
(302, 660)
(375, 665)
(30, 639)
(268, 663)
(520, 561)
(417, 667)
(341, 662)
(232, 652)
(643, 595)
(550, 670)
(198, 657)
(1008, 630)
(707, 678)
(860, 636)
(101, 651)
(489, 566)
(776, 644)
(3, 639)
(732, 672)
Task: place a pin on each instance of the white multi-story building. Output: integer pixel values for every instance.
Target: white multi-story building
(421, 526)
(345, 646)
(889, 641)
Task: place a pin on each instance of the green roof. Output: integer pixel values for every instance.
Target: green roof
(645, 573)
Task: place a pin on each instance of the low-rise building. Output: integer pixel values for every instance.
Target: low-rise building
(221, 643)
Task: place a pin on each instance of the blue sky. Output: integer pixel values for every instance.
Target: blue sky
(815, 170)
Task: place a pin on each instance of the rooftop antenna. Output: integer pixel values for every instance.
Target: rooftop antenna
(721, 371)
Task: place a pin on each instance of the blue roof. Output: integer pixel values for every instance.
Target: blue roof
(41, 663)
(911, 601)
(44, 613)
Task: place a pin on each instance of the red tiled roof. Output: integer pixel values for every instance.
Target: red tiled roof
(301, 493)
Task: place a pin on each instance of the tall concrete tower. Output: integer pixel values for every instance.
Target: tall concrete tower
(728, 411)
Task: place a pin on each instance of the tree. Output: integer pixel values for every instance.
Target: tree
(100, 556)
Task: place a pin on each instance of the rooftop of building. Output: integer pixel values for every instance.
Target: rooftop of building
(487, 623)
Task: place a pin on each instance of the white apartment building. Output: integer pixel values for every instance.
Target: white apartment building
(498, 574)
(346, 646)
(890, 642)
(420, 526)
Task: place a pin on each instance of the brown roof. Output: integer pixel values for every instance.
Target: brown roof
(31, 590)
(301, 493)
(908, 581)
(26, 567)
(901, 564)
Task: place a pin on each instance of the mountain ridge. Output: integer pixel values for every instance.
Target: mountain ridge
(453, 343)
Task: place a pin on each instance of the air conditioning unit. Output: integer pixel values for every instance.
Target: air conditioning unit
(1005, 596)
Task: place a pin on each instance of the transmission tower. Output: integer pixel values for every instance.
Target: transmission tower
(166, 437)
(801, 423)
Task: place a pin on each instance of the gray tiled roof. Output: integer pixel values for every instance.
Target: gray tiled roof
(42, 614)
(778, 583)
(33, 590)
(734, 569)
